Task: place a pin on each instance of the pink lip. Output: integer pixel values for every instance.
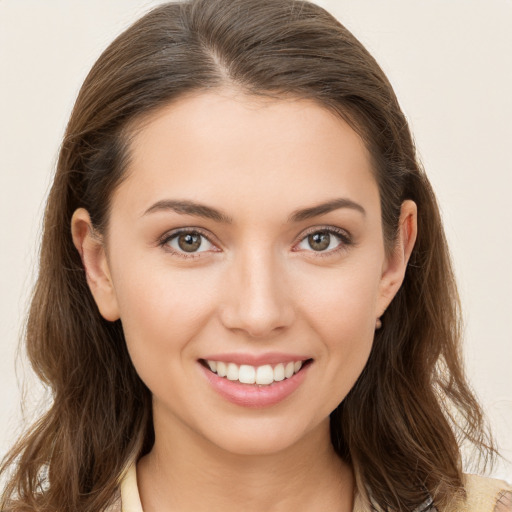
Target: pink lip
(253, 395)
(256, 360)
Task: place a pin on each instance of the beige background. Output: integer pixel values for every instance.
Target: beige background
(450, 64)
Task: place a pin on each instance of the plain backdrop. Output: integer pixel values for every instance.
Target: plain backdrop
(450, 64)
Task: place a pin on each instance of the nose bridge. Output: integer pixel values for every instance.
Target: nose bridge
(257, 298)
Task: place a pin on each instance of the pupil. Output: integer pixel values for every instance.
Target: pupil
(319, 241)
(189, 242)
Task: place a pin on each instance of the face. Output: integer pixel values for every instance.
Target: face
(246, 239)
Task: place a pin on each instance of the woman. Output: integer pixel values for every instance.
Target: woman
(245, 298)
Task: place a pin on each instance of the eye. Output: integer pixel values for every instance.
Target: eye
(326, 240)
(187, 243)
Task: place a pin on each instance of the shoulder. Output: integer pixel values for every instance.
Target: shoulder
(484, 495)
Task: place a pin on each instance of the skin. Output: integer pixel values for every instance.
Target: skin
(256, 285)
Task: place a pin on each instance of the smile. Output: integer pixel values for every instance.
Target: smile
(257, 385)
(264, 375)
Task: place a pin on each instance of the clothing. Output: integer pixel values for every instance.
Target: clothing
(483, 495)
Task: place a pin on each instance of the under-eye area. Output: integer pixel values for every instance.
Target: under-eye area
(264, 375)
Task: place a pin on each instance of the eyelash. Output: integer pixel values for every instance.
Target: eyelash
(344, 236)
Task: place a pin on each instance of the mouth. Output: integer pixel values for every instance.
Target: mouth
(264, 375)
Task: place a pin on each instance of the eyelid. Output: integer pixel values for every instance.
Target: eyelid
(169, 235)
(342, 234)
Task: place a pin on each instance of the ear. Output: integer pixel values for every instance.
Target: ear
(393, 272)
(90, 245)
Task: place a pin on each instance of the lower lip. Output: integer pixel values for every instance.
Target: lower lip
(253, 395)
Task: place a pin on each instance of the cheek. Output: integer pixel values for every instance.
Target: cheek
(343, 299)
(341, 308)
(161, 308)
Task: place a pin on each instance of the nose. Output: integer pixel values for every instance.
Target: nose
(257, 299)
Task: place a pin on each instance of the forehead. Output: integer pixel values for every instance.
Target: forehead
(246, 150)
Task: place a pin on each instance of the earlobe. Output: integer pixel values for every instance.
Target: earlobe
(90, 246)
(396, 264)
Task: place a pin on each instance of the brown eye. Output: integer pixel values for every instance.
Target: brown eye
(319, 241)
(188, 242)
(325, 241)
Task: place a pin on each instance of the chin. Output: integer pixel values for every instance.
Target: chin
(255, 446)
(266, 437)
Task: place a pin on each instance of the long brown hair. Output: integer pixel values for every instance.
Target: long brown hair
(401, 424)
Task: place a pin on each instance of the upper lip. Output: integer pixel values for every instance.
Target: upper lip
(256, 359)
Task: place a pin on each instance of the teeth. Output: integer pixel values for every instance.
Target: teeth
(288, 370)
(221, 369)
(261, 375)
(247, 374)
(279, 372)
(264, 375)
(233, 372)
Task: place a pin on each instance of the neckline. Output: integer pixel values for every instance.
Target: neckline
(130, 497)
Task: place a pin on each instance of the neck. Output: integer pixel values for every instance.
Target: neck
(196, 476)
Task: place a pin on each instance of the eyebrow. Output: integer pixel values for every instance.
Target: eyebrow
(201, 210)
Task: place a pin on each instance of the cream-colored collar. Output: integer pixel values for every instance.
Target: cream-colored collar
(483, 494)
(130, 498)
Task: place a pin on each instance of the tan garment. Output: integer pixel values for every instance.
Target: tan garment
(483, 495)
